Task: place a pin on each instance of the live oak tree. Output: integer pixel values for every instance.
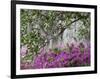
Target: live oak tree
(40, 28)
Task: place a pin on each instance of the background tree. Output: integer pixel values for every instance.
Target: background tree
(40, 28)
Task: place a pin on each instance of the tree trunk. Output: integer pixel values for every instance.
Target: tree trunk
(29, 28)
(50, 44)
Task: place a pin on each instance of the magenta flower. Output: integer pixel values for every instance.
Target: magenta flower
(77, 56)
(23, 51)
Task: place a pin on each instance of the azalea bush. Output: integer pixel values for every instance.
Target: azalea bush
(73, 56)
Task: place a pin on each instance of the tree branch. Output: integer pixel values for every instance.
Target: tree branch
(74, 21)
(62, 30)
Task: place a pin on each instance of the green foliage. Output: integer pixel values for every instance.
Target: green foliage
(32, 40)
(51, 23)
(28, 58)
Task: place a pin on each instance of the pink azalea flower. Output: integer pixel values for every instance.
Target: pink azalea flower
(24, 51)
